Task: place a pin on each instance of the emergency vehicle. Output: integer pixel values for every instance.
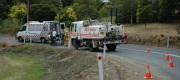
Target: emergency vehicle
(39, 31)
(94, 34)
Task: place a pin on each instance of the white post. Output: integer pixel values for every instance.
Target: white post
(123, 29)
(104, 50)
(25, 38)
(168, 42)
(69, 43)
(100, 65)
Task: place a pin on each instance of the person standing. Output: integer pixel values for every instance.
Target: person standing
(62, 37)
(54, 36)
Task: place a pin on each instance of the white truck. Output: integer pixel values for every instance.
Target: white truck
(93, 34)
(39, 31)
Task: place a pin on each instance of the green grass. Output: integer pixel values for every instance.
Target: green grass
(20, 67)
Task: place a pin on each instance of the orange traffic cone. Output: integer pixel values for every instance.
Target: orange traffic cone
(148, 50)
(148, 74)
(167, 56)
(171, 64)
(9, 38)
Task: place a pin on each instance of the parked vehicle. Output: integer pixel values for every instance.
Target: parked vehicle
(39, 31)
(94, 34)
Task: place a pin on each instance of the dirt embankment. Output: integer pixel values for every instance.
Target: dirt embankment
(64, 64)
(155, 34)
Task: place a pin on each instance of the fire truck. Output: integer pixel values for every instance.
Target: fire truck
(95, 34)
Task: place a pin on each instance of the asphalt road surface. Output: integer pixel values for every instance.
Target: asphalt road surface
(155, 58)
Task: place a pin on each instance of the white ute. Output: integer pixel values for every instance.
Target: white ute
(93, 34)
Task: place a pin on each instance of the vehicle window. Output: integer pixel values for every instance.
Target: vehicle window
(75, 27)
(23, 28)
(62, 26)
(45, 28)
(72, 27)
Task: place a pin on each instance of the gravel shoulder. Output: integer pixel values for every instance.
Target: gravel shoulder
(120, 68)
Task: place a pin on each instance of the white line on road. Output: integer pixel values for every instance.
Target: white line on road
(151, 52)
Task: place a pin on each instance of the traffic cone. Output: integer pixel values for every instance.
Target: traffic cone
(148, 50)
(167, 56)
(148, 74)
(171, 64)
(9, 38)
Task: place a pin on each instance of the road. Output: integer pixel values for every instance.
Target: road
(155, 58)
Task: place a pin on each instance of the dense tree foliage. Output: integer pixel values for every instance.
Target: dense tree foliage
(5, 5)
(66, 15)
(144, 12)
(18, 12)
(67, 3)
(42, 12)
(87, 12)
(129, 10)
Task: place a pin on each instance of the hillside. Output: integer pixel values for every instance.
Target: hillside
(156, 34)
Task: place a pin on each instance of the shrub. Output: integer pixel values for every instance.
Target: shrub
(178, 28)
(10, 26)
(3, 44)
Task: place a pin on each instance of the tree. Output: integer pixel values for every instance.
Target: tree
(144, 12)
(127, 9)
(103, 12)
(42, 12)
(167, 9)
(66, 15)
(67, 3)
(5, 5)
(97, 4)
(18, 12)
(56, 3)
(155, 7)
(87, 11)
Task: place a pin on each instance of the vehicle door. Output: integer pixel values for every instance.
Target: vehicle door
(24, 33)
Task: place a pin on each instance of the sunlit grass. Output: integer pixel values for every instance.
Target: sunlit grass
(16, 67)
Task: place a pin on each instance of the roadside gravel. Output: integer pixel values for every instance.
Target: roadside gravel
(120, 68)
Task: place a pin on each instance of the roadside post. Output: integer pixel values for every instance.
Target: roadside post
(100, 65)
(24, 39)
(69, 43)
(104, 50)
(167, 42)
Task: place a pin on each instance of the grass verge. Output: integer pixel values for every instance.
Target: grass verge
(36, 62)
(18, 67)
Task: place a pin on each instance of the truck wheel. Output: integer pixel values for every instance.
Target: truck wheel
(74, 44)
(20, 39)
(43, 40)
(93, 49)
(96, 49)
(111, 47)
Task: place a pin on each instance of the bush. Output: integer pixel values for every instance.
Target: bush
(178, 28)
(3, 44)
(10, 26)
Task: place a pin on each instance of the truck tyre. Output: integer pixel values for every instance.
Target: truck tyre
(74, 44)
(93, 49)
(111, 47)
(43, 40)
(20, 39)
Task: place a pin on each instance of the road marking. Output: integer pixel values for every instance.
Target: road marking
(151, 52)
